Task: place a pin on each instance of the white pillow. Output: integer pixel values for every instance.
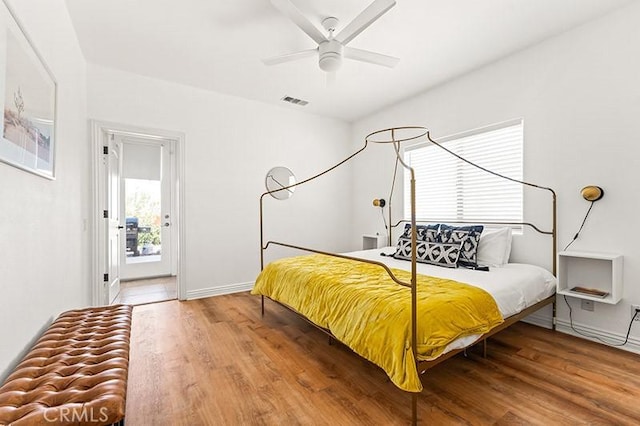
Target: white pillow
(494, 247)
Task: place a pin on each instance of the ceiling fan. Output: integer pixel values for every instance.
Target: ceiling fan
(331, 49)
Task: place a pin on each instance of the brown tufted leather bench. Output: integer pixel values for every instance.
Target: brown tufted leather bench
(76, 374)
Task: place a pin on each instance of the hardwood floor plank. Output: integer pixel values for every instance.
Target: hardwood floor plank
(217, 361)
(577, 395)
(587, 359)
(506, 388)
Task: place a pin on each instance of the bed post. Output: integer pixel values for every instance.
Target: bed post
(555, 231)
(414, 274)
(390, 229)
(390, 202)
(555, 255)
(261, 253)
(414, 291)
(261, 235)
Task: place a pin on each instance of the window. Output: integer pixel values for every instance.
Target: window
(450, 189)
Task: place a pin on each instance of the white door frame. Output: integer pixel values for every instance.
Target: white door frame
(99, 130)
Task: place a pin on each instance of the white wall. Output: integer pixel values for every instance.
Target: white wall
(580, 99)
(43, 238)
(231, 143)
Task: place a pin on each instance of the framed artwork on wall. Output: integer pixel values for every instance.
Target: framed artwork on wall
(28, 96)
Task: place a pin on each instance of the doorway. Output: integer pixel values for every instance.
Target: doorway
(141, 291)
(137, 201)
(145, 203)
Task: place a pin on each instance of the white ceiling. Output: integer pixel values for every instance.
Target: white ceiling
(217, 45)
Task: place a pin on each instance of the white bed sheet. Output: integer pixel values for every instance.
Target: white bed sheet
(514, 286)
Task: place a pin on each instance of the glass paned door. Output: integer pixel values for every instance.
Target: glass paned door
(146, 200)
(143, 220)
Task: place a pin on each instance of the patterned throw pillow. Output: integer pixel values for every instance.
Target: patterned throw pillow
(441, 254)
(468, 237)
(424, 233)
(403, 249)
(428, 248)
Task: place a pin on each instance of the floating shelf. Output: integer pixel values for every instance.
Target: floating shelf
(592, 271)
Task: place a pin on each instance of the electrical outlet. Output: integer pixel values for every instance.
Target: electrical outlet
(634, 309)
(587, 305)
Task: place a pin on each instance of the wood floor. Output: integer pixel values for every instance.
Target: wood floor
(150, 290)
(217, 362)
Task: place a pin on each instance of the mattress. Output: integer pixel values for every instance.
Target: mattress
(514, 286)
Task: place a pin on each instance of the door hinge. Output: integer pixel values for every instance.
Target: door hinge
(105, 214)
(106, 278)
(105, 150)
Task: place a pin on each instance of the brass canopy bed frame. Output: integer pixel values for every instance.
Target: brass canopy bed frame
(396, 136)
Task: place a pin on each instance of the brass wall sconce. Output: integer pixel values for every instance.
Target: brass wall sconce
(592, 193)
(379, 202)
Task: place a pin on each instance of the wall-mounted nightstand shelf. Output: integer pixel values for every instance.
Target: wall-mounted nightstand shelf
(591, 271)
(373, 241)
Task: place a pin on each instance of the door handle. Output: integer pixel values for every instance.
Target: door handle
(120, 227)
(167, 224)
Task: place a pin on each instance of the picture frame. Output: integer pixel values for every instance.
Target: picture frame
(28, 92)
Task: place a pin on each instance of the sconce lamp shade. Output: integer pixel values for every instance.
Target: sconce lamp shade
(592, 193)
(379, 202)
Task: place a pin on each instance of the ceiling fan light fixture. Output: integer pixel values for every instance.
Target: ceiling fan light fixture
(330, 63)
(330, 55)
(331, 47)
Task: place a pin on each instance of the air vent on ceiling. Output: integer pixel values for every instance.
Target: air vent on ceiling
(294, 101)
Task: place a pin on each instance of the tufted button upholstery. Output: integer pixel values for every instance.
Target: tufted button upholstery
(76, 374)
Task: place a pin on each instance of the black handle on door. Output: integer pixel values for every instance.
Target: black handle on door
(120, 227)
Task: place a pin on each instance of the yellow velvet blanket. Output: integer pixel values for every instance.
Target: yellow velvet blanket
(371, 314)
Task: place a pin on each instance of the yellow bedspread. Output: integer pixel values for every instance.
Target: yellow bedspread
(371, 314)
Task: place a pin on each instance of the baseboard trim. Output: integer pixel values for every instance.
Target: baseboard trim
(219, 290)
(564, 326)
(540, 319)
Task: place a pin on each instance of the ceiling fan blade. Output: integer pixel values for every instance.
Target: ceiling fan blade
(290, 10)
(371, 57)
(290, 57)
(362, 21)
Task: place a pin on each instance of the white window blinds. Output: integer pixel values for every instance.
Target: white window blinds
(450, 189)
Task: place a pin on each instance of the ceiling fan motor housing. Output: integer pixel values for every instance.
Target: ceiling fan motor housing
(331, 47)
(330, 55)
